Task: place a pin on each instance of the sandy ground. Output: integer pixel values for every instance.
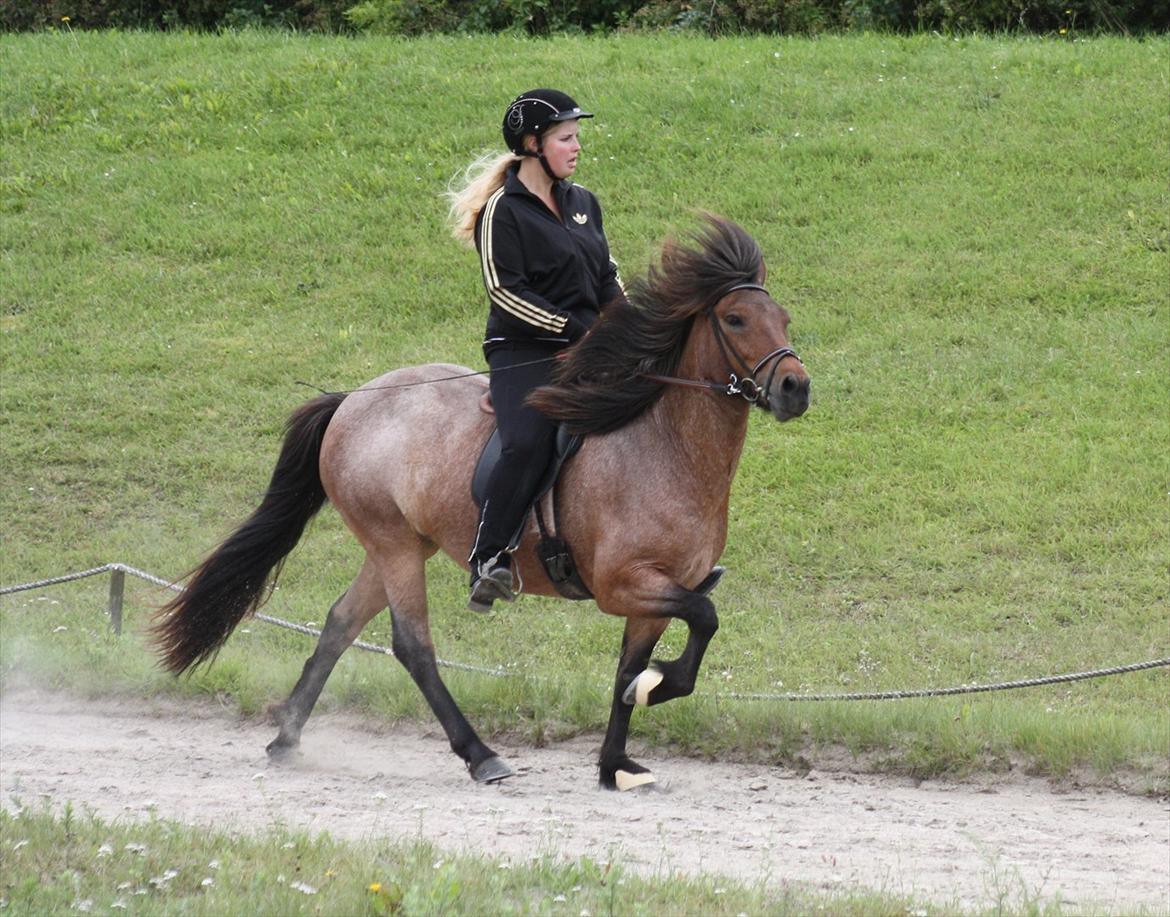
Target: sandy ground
(959, 846)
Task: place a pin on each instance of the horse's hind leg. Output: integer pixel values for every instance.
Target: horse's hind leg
(357, 606)
(405, 583)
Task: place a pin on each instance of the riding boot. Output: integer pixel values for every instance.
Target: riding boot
(490, 580)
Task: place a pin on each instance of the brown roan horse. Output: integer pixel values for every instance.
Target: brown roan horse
(662, 388)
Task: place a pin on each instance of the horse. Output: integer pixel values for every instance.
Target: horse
(661, 390)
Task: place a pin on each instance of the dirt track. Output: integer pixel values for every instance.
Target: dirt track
(956, 845)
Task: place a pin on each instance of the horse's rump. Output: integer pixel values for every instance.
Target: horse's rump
(405, 444)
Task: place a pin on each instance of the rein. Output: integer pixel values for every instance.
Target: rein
(382, 388)
(746, 387)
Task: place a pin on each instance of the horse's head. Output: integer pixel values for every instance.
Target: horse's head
(700, 318)
(749, 331)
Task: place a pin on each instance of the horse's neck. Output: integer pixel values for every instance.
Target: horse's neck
(694, 438)
(704, 431)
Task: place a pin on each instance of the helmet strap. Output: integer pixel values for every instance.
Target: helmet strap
(539, 155)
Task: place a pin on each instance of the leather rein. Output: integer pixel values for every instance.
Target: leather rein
(746, 386)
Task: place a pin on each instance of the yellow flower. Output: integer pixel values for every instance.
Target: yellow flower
(375, 887)
(1064, 31)
(66, 19)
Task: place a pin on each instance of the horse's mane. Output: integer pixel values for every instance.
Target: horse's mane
(600, 385)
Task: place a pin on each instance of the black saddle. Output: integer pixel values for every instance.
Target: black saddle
(566, 447)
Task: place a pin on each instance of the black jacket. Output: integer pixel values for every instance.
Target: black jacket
(546, 279)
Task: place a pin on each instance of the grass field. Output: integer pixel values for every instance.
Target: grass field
(972, 236)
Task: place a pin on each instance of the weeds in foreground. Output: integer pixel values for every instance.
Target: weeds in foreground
(73, 861)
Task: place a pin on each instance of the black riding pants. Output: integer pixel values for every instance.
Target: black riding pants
(527, 441)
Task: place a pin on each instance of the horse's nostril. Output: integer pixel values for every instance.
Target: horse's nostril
(789, 384)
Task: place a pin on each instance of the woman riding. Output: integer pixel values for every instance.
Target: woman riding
(548, 273)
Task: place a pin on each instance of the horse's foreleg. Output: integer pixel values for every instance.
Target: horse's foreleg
(666, 680)
(649, 600)
(349, 614)
(405, 586)
(617, 770)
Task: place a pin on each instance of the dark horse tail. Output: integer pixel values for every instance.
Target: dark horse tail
(237, 578)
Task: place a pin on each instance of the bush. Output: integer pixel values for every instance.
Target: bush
(800, 17)
(537, 17)
(315, 15)
(541, 17)
(804, 17)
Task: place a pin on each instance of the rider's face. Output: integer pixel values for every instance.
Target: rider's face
(561, 147)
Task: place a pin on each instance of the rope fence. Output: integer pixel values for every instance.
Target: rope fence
(118, 573)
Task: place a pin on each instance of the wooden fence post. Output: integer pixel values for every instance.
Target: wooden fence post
(117, 590)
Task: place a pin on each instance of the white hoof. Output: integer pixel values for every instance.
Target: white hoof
(639, 689)
(624, 780)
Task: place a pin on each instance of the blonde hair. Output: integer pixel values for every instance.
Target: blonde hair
(471, 190)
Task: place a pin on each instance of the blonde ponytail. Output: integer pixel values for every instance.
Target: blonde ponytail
(478, 182)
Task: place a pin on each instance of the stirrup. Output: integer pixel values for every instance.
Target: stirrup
(493, 580)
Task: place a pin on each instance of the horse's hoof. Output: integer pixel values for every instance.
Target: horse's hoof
(625, 775)
(638, 691)
(625, 780)
(491, 770)
(282, 752)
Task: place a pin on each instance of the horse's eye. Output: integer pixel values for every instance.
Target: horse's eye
(734, 321)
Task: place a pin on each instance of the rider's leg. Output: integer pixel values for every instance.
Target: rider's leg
(527, 441)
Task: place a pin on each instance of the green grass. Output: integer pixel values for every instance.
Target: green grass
(971, 234)
(75, 861)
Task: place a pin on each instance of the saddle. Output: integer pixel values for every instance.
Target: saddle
(554, 552)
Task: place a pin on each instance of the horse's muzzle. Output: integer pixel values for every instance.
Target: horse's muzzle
(788, 395)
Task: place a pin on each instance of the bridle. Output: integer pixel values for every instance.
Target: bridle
(746, 386)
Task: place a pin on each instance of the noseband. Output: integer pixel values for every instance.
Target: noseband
(746, 387)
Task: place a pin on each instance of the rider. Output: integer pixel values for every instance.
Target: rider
(548, 273)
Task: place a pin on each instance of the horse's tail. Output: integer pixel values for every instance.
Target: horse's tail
(237, 578)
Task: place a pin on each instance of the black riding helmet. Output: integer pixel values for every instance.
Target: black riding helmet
(532, 112)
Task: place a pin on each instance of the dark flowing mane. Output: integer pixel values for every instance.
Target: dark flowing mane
(600, 385)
